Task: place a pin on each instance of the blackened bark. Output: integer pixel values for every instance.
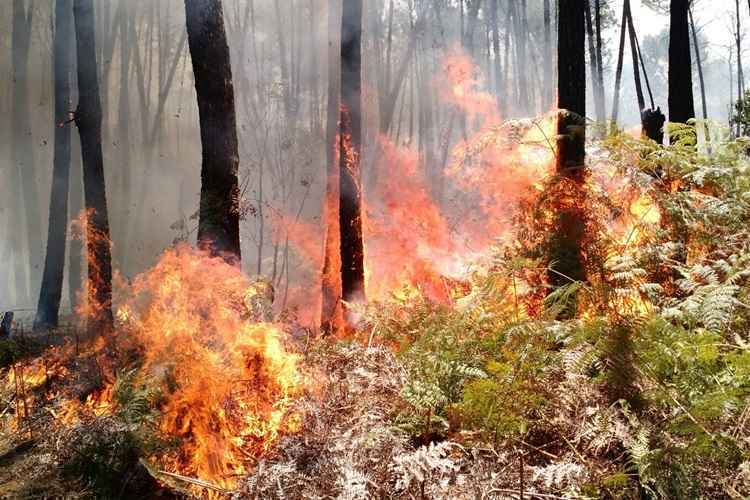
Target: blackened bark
(593, 65)
(571, 56)
(566, 252)
(54, 264)
(618, 71)
(331, 279)
(634, 54)
(22, 149)
(88, 118)
(681, 107)
(350, 136)
(599, 57)
(219, 223)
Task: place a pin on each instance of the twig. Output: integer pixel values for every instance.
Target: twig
(195, 481)
(531, 494)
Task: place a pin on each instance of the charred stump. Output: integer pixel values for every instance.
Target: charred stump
(653, 124)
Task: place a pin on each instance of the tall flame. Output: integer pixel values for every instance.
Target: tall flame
(228, 380)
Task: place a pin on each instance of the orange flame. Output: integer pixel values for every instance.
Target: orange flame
(229, 381)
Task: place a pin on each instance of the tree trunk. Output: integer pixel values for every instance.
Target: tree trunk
(599, 58)
(571, 55)
(699, 62)
(219, 223)
(89, 121)
(634, 54)
(738, 40)
(549, 86)
(567, 262)
(681, 107)
(593, 65)
(618, 71)
(54, 264)
(350, 137)
(22, 149)
(330, 317)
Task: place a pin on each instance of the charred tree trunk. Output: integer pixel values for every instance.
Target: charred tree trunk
(599, 57)
(350, 137)
(330, 317)
(618, 71)
(593, 65)
(22, 149)
(681, 107)
(634, 54)
(54, 264)
(219, 223)
(571, 66)
(566, 251)
(88, 118)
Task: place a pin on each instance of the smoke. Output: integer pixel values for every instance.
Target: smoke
(279, 51)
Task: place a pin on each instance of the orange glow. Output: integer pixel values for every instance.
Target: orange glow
(228, 382)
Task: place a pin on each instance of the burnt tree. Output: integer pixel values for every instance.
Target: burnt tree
(681, 107)
(88, 118)
(54, 264)
(350, 143)
(219, 222)
(566, 255)
(330, 317)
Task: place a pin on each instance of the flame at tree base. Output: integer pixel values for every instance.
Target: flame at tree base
(227, 380)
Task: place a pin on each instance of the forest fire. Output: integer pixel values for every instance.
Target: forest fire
(227, 379)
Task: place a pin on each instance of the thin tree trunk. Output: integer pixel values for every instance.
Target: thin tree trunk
(549, 86)
(350, 137)
(593, 65)
(495, 30)
(599, 58)
(89, 120)
(681, 107)
(618, 71)
(636, 64)
(54, 264)
(738, 39)
(219, 222)
(699, 62)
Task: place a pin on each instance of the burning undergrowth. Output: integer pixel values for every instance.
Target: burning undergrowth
(192, 367)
